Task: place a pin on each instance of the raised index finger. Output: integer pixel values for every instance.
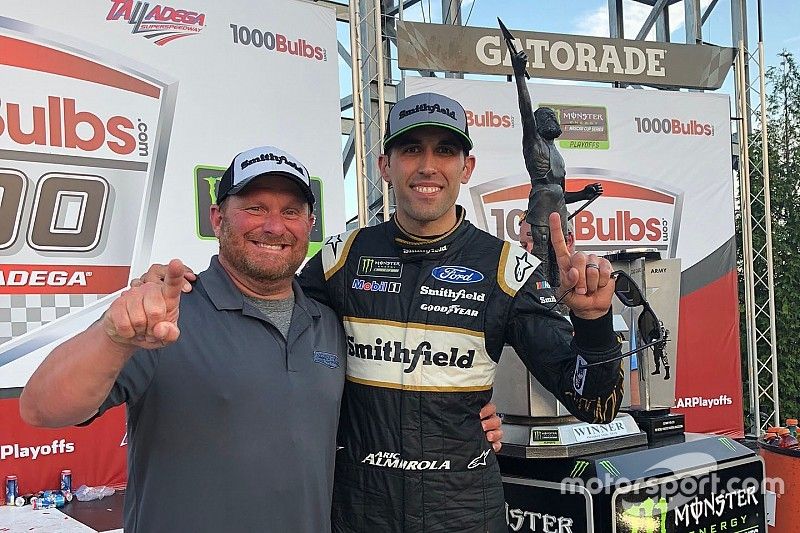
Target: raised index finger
(173, 282)
(558, 242)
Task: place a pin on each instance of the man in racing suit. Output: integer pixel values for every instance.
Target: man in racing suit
(428, 301)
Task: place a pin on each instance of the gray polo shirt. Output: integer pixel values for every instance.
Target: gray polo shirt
(233, 428)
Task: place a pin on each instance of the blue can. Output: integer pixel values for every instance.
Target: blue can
(49, 500)
(66, 480)
(12, 491)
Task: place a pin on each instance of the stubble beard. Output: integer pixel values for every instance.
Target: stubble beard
(231, 248)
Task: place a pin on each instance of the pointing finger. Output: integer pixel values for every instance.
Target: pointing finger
(557, 239)
(173, 283)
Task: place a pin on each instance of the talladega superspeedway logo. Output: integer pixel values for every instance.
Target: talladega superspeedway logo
(159, 22)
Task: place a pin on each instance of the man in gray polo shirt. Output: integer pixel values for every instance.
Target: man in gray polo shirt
(233, 406)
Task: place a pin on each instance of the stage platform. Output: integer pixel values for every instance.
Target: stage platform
(76, 517)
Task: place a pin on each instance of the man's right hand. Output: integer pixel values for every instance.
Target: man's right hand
(520, 62)
(146, 316)
(158, 272)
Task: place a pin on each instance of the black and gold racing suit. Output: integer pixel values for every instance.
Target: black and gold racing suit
(426, 321)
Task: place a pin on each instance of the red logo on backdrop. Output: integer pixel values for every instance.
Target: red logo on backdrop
(47, 130)
(488, 119)
(62, 279)
(630, 214)
(160, 23)
(277, 42)
(673, 126)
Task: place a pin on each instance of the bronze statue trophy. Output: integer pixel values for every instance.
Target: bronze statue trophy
(545, 167)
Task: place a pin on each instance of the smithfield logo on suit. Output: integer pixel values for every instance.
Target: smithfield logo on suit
(395, 352)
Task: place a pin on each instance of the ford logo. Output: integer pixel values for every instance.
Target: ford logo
(456, 274)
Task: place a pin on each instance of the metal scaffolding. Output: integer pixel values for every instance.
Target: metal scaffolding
(759, 281)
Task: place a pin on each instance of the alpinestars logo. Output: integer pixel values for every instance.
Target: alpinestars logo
(161, 23)
(395, 352)
(393, 460)
(479, 461)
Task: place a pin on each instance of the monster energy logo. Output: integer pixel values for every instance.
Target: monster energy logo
(727, 443)
(579, 468)
(212, 188)
(206, 179)
(610, 468)
(647, 517)
(380, 267)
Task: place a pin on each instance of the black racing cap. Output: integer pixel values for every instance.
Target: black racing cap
(427, 109)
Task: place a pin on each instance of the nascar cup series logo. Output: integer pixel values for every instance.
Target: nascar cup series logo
(79, 136)
(633, 213)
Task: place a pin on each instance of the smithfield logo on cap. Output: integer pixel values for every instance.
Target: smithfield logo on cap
(456, 274)
(429, 108)
(279, 159)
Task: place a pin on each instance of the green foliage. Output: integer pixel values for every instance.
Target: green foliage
(783, 137)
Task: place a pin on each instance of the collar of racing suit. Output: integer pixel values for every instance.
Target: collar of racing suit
(416, 248)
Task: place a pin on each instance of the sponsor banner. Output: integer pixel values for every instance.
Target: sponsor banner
(709, 392)
(665, 167)
(570, 57)
(112, 137)
(106, 167)
(95, 454)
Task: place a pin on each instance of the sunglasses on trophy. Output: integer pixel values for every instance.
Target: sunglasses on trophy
(648, 326)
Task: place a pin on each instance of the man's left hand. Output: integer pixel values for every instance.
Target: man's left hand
(491, 423)
(586, 277)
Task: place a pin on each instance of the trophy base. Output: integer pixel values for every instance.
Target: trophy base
(658, 424)
(557, 438)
